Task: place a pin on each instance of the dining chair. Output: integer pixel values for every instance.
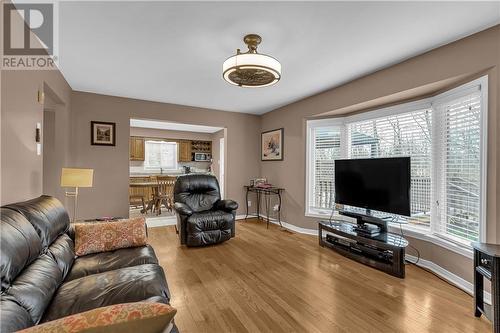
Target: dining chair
(152, 193)
(136, 196)
(164, 193)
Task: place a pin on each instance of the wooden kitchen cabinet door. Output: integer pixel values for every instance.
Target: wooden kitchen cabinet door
(136, 148)
(184, 154)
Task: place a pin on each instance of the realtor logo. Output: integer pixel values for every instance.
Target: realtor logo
(28, 36)
(38, 17)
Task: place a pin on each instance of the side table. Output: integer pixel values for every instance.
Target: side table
(487, 265)
(267, 192)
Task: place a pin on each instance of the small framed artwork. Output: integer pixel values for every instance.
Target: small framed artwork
(102, 133)
(272, 145)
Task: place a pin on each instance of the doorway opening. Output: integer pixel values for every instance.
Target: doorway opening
(160, 151)
(53, 147)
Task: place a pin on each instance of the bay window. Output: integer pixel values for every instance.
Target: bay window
(445, 136)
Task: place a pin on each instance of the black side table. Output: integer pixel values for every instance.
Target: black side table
(487, 264)
(267, 192)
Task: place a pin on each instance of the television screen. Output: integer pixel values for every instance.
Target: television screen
(381, 184)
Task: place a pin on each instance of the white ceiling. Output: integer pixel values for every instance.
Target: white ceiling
(173, 126)
(173, 51)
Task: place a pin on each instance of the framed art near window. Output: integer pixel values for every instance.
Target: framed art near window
(102, 133)
(272, 145)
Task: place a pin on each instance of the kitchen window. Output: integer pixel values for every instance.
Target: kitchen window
(160, 155)
(445, 136)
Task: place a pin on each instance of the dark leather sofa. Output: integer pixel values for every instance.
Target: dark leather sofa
(202, 217)
(42, 280)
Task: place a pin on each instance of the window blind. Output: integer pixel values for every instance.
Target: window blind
(398, 135)
(458, 160)
(326, 149)
(160, 154)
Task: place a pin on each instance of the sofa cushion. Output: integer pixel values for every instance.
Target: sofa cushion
(141, 317)
(36, 285)
(130, 284)
(13, 317)
(19, 245)
(108, 261)
(108, 236)
(63, 252)
(47, 215)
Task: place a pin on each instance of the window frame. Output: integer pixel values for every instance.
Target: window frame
(425, 233)
(479, 85)
(311, 126)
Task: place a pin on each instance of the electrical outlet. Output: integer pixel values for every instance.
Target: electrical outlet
(276, 207)
(249, 203)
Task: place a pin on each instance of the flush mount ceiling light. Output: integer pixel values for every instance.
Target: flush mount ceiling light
(251, 69)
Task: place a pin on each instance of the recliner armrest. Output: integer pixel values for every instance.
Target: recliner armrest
(182, 209)
(226, 205)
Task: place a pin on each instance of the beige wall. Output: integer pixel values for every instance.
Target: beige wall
(21, 167)
(467, 58)
(109, 196)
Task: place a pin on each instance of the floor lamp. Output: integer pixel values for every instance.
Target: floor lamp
(72, 177)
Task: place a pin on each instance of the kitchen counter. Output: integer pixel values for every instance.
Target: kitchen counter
(166, 174)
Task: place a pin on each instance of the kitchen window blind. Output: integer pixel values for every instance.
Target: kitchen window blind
(160, 154)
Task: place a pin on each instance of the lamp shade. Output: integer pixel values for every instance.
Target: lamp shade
(72, 177)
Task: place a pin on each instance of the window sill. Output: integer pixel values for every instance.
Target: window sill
(410, 231)
(425, 235)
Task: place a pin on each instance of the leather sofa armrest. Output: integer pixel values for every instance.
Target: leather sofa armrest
(183, 209)
(226, 205)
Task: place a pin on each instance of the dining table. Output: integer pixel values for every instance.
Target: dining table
(153, 186)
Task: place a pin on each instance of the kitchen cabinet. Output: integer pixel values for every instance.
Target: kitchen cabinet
(136, 148)
(184, 151)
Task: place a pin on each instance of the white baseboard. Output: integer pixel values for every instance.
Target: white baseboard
(448, 276)
(161, 221)
(284, 224)
(451, 278)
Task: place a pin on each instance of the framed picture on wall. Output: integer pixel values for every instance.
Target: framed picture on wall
(271, 145)
(102, 133)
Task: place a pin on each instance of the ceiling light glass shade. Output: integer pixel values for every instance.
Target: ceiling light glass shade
(251, 69)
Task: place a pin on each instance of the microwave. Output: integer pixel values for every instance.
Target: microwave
(201, 157)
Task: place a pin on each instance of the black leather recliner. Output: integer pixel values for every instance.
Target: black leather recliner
(202, 217)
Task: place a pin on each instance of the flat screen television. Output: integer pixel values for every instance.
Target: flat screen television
(381, 184)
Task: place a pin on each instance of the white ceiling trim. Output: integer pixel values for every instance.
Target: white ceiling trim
(170, 126)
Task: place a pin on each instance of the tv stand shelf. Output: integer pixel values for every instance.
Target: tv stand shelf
(385, 251)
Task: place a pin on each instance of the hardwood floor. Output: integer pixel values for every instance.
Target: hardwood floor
(278, 281)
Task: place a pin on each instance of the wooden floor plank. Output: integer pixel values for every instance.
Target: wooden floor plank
(270, 280)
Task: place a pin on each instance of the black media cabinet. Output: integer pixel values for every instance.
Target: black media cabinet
(487, 265)
(385, 252)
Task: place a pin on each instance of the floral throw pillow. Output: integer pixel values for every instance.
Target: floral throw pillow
(108, 236)
(141, 317)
